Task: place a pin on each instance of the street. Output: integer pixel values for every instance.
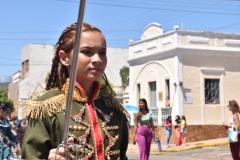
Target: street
(215, 153)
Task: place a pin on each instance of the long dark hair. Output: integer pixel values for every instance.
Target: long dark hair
(59, 72)
(146, 106)
(177, 120)
(169, 119)
(145, 102)
(4, 106)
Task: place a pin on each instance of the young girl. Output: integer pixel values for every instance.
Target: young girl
(178, 130)
(168, 129)
(183, 130)
(5, 133)
(98, 121)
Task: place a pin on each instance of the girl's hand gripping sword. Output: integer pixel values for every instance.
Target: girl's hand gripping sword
(76, 147)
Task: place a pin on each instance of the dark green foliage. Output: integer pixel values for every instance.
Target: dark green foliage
(124, 74)
(4, 99)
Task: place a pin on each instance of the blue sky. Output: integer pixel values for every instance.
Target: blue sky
(42, 21)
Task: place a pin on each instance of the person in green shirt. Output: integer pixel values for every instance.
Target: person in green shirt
(98, 120)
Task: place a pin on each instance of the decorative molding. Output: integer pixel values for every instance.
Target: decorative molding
(201, 40)
(137, 49)
(212, 69)
(152, 74)
(169, 52)
(166, 41)
(151, 46)
(231, 42)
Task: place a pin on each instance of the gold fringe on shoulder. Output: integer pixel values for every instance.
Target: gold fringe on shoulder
(35, 109)
(112, 102)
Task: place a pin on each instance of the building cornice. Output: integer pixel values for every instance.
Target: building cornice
(190, 33)
(184, 50)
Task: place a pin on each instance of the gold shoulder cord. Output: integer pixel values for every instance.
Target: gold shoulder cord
(34, 109)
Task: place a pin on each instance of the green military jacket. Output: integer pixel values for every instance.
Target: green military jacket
(98, 123)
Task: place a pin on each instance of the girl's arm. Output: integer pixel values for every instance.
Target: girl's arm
(236, 121)
(151, 125)
(14, 133)
(10, 135)
(135, 124)
(153, 128)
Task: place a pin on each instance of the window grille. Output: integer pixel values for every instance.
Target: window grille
(166, 111)
(212, 91)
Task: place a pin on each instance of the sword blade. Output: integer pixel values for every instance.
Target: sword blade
(73, 72)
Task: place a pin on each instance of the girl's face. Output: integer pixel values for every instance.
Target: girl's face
(142, 105)
(92, 59)
(4, 113)
(230, 107)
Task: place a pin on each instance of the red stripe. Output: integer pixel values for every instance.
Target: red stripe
(95, 127)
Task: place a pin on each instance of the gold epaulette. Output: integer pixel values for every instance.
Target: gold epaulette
(35, 108)
(111, 101)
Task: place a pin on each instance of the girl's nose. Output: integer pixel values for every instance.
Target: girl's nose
(96, 58)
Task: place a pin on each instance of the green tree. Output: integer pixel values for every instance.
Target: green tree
(124, 74)
(4, 98)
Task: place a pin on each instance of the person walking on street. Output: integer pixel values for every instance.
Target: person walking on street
(144, 129)
(168, 129)
(178, 130)
(234, 121)
(183, 130)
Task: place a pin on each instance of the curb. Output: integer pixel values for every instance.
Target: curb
(154, 151)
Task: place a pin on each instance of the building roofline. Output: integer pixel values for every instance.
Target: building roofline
(191, 32)
(16, 72)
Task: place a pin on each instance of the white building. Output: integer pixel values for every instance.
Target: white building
(36, 62)
(198, 70)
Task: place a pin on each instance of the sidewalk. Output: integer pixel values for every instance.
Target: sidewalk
(173, 148)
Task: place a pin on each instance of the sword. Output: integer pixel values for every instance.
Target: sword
(73, 72)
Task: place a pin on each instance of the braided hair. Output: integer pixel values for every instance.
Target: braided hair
(59, 72)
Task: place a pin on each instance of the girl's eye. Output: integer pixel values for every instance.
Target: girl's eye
(86, 51)
(103, 53)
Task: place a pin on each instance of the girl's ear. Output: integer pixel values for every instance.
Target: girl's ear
(64, 58)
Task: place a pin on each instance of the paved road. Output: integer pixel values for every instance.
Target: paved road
(212, 153)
